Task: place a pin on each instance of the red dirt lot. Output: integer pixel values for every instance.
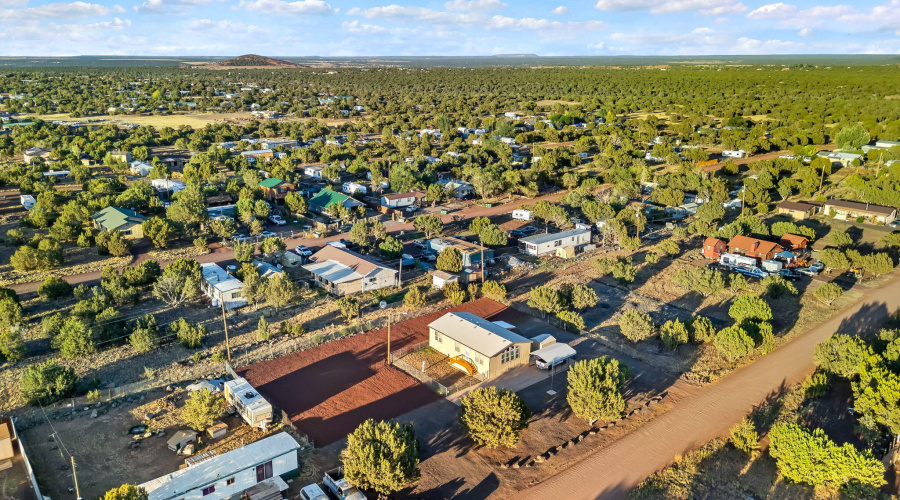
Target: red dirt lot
(327, 391)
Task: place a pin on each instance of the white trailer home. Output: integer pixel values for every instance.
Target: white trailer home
(545, 244)
(247, 401)
(353, 187)
(221, 287)
(27, 201)
(740, 153)
(273, 459)
(522, 214)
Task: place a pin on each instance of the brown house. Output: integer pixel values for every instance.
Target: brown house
(793, 242)
(275, 189)
(343, 272)
(797, 210)
(753, 247)
(713, 248)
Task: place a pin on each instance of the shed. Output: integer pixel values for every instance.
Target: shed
(7, 451)
(793, 242)
(541, 341)
(218, 430)
(552, 355)
(713, 248)
(565, 252)
(181, 439)
(441, 278)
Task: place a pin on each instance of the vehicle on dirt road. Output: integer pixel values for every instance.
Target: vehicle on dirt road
(277, 220)
(335, 481)
(817, 266)
(303, 250)
(789, 274)
(527, 230)
(807, 271)
(241, 237)
(268, 234)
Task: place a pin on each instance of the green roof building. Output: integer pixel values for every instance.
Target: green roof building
(128, 222)
(324, 198)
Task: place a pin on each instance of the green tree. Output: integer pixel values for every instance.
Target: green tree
(493, 236)
(429, 224)
(673, 333)
(243, 251)
(202, 409)
(702, 329)
(701, 280)
(842, 355)
(595, 389)
(878, 263)
(834, 258)
(494, 290)
(710, 212)
(296, 203)
(159, 231)
(811, 458)
(179, 282)
(390, 246)
(281, 291)
(750, 307)
(450, 260)
(414, 299)
(12, 346)
(827, 293)
(126, 492)
(145, 334)
(636, 325)
(74, 339)
(744, 436)
(54, 287)
(852, 138)
(840, 239)
(381, 456)
(46, 383)
(876, 396)
(572, 320)
(113, 243)
(733, 342)
(454, 293)
(348, 306)
(493, 417)
(189, 335)
(583, 297)
(263, 332)
(546, 300)
(223, 228)
(272, 245)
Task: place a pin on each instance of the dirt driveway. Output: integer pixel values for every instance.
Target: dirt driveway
(705, 413)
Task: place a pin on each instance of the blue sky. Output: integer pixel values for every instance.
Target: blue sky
(454, 27)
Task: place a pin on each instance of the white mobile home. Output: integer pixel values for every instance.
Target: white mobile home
(27, 201)
(522, 214)
(545, 244)
(252, 407)
(313, 171)
(272, 459)
(353, 187)
(740, 153)
(400, 200)
(221, 287)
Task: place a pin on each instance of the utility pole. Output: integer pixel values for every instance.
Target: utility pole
(390, 316)
(75, 477)
(225, 323)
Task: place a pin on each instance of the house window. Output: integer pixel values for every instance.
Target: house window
(263, 471)
(477, 360)
(457, 347)
(438, 337)
(557, 243)
(511, 353)
(209, 489)
(229, 481)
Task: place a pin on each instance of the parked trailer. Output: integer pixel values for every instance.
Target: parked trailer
(335, 481)
(735, 260)
(27, 201)
(522, 214)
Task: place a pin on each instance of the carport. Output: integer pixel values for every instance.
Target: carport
(552, 355)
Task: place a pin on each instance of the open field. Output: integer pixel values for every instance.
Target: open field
(195, 120)
(553, 102)
(328, 390)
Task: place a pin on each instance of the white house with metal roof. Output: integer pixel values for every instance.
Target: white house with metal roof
(221, 287)
(477, 345)
(247, 401)
(545, 244)
(272, 459)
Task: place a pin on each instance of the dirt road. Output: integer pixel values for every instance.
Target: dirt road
(763, 156)
(708, 412)
(220, 253)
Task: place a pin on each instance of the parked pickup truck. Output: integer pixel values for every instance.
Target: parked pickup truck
(334, 480)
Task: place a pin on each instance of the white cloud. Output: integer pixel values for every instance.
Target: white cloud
(778, 10)
(702, 31)
(164, 5)
(356, 27)
(57, 11)
(224, 26)
(561, 10)
(805, 32)
(478, 5)
(282, 7)
(596, 46)
(707, 7)
(878, 18)
(414, 14)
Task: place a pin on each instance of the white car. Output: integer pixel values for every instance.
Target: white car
(304, 251)
(240, 237)
(277, 220)
(267, 234)
(411, 209)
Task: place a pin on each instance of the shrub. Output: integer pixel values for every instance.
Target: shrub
(263, 332)
(636, 325)
(190, 336)
(381, 456)
(842, 355)
(744, 436)
(733, 342)
(494, 290)
(202, 409)
(218, 357)
(145, 335)
(201, 243)
(414, 299)
(652, 258)
(673, 333)
(74, 339)
(348, 306)
(450, 260)
(702, 329)
(44, 384)
(749, 306)
(454, 293)
(582, 297)
(595, 389)
(493, 417)
(546, 300)
(54, 288)
(12, 346)
(572, 320)
(126, 492)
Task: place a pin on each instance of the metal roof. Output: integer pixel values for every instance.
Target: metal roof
(476, 333)
(554, 352)
(178, 483)
(114, 218)
(538, 239)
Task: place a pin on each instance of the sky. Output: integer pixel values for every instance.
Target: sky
(342, 28)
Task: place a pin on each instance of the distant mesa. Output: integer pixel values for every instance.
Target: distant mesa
(253, 60)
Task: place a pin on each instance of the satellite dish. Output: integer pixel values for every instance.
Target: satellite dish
(382, 304)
